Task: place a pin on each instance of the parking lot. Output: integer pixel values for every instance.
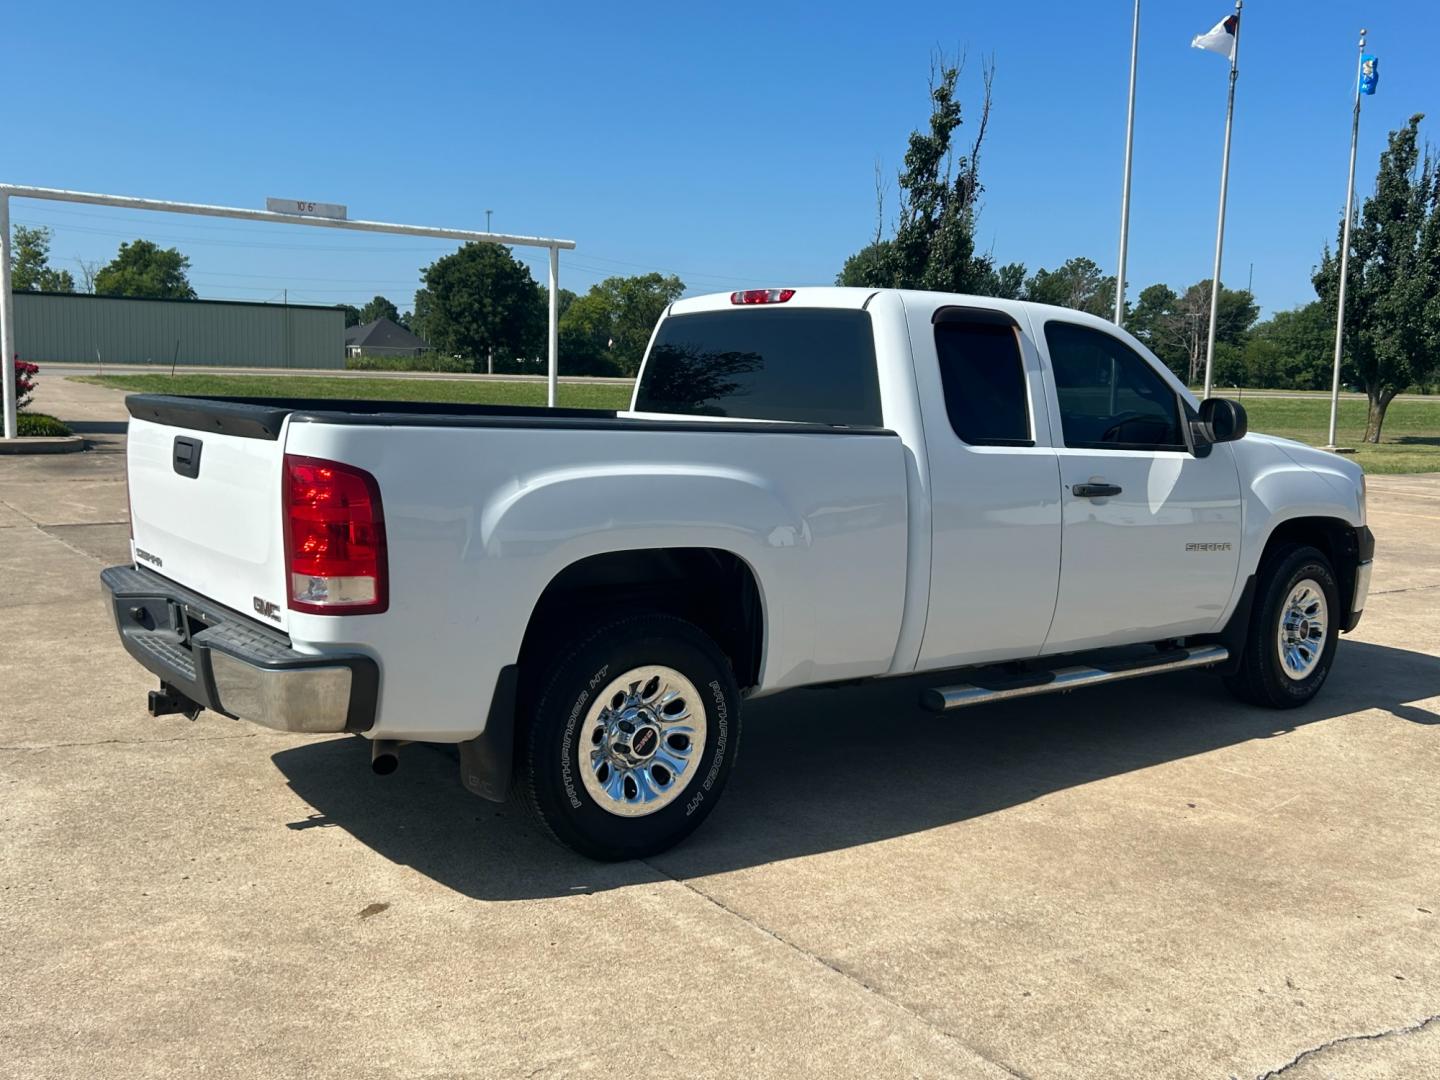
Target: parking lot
(1145, 880)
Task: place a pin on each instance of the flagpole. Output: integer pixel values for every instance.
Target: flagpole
(1224, 187)
(1345, 249)
(1125, 189)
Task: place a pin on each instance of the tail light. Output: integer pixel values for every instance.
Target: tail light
(334, 539)
(761, 296)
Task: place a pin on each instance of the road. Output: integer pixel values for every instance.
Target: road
(1144, 880)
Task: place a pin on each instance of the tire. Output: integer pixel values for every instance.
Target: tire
(1272, 674)
(633, 669)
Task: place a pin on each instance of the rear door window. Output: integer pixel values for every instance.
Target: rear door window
(803, 365)
(983, 374)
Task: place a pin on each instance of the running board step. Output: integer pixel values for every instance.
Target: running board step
(945, 698)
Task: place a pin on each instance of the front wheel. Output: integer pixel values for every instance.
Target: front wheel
(633, 736)
(1294, 629)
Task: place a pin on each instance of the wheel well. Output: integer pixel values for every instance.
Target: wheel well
(714, 589)
(1334, 537)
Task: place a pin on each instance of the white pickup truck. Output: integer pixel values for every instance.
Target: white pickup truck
(812, 486)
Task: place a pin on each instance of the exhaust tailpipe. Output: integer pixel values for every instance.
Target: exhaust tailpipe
(384, 756)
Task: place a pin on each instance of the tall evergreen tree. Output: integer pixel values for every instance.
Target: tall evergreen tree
(934, 242)
(1392, 297)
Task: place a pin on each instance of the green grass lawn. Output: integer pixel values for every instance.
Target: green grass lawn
(573, 395)
(1410, 438)
(1411, 434)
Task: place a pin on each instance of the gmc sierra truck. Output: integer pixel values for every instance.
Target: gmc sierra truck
(811, 486)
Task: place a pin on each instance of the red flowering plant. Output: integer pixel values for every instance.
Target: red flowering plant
(25, 374)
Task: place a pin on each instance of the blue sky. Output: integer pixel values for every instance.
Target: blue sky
(732, 144)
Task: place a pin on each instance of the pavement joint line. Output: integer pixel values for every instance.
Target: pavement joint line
(1374, 1036)
(16, 510)
(836, 970)
(133, 742)
(62, 541)
(1407, 588)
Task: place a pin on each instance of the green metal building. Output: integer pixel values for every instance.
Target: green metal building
(79, 328)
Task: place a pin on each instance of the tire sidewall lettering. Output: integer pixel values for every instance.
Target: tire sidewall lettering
(568, 757)
(722, 728)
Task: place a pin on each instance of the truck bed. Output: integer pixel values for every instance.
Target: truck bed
(485, 505)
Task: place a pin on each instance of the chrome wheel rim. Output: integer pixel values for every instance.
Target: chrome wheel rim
(1304, 622)
(642, 741)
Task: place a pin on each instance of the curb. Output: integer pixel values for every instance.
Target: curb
(43, 444)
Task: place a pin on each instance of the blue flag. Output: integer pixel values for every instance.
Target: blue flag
(1369, 73)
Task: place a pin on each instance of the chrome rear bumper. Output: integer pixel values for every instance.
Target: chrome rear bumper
(232, 665)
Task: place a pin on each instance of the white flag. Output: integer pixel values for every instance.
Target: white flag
(1222, 38)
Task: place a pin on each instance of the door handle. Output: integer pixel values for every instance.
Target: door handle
(1095, 491)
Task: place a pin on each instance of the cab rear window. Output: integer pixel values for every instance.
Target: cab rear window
(798, 364)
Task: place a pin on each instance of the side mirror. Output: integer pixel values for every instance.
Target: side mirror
(1223, 420)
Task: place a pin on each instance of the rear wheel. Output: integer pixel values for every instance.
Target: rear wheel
(632, 738)
(1294, 628)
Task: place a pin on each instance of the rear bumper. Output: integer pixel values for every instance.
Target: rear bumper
(232, 665)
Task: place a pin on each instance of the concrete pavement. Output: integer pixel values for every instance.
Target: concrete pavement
(1143, 880)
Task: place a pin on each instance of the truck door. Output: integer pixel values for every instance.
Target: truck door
(994, 483)
(1152, 531)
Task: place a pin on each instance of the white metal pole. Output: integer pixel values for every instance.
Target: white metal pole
(1224, 187)
(1345, 251)
(7, 319)
(1125, 189)
(166, 206)
(553, 340)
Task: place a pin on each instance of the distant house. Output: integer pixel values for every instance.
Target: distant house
(383, 337)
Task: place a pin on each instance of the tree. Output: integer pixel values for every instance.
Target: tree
(1292, 349)
(934, 242)
(379, 308)
(868, 267)
(1392, 298)
(352, 314)
(141, 268)
(88, 269)
(605, 332)
(479, 301)
(1176, 326)
(1078, 283)
(1005, 282)
(30, 263)
(562, 303)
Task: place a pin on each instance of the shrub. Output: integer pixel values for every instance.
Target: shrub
(33, 424)
(25, 373)
(430, 361)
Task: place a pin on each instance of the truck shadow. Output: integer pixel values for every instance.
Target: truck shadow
(822, 770)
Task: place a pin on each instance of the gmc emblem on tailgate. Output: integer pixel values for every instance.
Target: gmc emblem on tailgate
(267, 608)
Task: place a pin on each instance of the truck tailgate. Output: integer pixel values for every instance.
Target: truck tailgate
(205, 512)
